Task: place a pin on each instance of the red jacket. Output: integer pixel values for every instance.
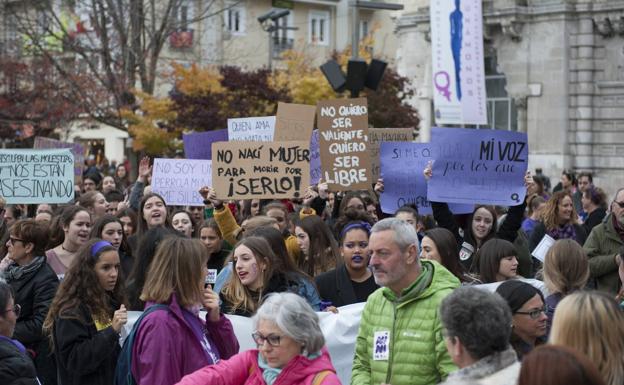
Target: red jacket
(242, 369)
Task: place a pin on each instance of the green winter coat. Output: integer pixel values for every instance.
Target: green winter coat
(417, 351)
(601, 247)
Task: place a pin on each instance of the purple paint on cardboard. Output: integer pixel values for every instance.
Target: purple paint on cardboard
(478, 166)
(402, 165)
(199, 145)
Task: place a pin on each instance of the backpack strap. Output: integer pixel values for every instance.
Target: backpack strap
(320, 376)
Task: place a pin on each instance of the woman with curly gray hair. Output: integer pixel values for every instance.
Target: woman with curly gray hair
(290, 349)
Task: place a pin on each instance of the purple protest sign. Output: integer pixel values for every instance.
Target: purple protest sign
(402, 165)
(478, 166)
(315, 159)
(199, 145)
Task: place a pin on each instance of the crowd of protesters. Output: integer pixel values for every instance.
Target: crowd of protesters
(453, 299)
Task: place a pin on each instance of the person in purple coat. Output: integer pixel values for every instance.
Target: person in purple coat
(174, 341)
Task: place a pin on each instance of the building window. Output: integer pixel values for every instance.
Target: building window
(283, 36)
(318, 27)
(501, 109)
(235, 19)
(182, 15)
(364, 28)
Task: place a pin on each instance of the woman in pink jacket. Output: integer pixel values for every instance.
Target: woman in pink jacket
(290, 350)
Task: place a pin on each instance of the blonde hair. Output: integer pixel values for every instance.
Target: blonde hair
(566, 267)
(178, 266)
(234, 291)
(550, 213)
(592, 323)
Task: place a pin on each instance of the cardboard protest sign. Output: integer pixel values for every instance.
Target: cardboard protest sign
(478, 166)
(76, 148)
(258, 129)
(402, 165)
(315, 159)
(378, 135)
(199, 145)
(345, 153)
(250, 170)
(294, 121)
(37, 176)
(179, 180)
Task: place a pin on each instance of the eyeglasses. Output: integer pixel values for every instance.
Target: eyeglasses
(534, 314)
(272, 339)
(621, 204)
(17, 309)
(13, 240)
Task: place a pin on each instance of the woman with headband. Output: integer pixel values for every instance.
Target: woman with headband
(352, 281)
(87, 315)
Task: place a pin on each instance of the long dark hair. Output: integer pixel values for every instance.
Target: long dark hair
(148, 244)
(81, 287)
(63, 219)
(142, 227)
(323, 253)
(98, 227)
(469, 236)
(446, 243)
(488, 258)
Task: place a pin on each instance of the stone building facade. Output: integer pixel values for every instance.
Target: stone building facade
(554, 69)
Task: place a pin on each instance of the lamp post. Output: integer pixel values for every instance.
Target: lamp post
(270, 23)
(359, 73)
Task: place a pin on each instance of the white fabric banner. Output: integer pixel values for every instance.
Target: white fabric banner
(458, 68)
(340, 330)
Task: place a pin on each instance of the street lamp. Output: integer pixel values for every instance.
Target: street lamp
(270, 23)
(359, 73)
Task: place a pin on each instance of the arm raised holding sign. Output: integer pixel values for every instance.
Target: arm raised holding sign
(223, 216)
(483, 227)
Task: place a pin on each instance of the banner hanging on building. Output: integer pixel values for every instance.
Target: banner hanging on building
(457, 55)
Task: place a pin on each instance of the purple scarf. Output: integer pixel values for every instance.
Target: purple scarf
(564, 232)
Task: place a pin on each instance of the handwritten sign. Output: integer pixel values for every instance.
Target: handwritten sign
(402, 165)
(179, 180)
(478, 166)
(258, 129)
(199, 145)
(246, 170)
(378, 135)
(37, 176)
(76, 148)
(345, 153)
(294, 121)
(315, 159)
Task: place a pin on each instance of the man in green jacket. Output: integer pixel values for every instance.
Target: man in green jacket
(400, 339)
(603, 245)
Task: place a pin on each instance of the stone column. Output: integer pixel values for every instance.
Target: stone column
(584, 91)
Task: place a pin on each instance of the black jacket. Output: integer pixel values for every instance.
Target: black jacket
(507, 231)
(34, 293)
(83, 354)
(16, 368)
(335, 286)
(540, 230)
(594, 219)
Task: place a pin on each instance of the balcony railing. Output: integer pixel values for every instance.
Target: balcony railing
(280, 45)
